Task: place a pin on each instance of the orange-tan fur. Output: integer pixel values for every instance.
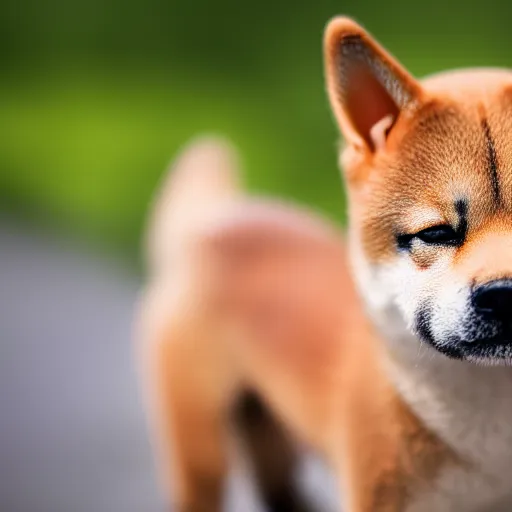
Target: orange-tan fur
(253, 295)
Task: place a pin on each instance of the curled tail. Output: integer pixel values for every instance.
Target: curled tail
(203, 176)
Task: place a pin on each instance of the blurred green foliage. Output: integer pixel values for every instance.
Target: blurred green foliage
(96, 96)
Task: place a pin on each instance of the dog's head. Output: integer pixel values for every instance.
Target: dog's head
(428, 168)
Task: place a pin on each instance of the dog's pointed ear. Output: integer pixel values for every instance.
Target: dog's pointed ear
(368, 89)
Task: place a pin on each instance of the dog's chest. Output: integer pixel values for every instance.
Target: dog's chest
(469, 409)
(480, 433)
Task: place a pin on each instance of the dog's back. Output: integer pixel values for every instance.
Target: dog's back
(246, 305)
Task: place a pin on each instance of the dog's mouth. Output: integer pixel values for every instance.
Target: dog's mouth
(494, 347)
(495, 350)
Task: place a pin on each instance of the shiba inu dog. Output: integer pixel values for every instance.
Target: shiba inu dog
(389, 356)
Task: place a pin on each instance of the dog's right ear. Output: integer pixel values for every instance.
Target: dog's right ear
(367, 87)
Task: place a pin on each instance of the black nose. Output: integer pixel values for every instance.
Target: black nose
(494, 299)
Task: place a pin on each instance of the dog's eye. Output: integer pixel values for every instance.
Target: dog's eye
(440, 235)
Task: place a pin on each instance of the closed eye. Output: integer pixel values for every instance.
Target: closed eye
(443, 234)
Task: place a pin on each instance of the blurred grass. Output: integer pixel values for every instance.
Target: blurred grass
(86, 154)
(97, 96)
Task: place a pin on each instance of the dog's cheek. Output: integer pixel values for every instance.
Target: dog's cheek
(451, 308)
(392, 289)
(424, 256)
(411, 287)
(367, 275)
(448, 299)
(376, 284)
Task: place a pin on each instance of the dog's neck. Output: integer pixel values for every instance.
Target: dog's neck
(468, 406)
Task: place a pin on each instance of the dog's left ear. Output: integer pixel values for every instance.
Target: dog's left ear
(367, 87)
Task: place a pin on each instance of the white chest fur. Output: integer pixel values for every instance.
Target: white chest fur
(470, 408)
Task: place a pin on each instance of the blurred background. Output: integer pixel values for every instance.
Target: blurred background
(95, 98)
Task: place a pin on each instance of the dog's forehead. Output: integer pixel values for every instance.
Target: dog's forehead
(443, 153)
(464, 113)
(459, 147)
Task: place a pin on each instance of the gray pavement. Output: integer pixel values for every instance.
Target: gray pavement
(72, 433)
